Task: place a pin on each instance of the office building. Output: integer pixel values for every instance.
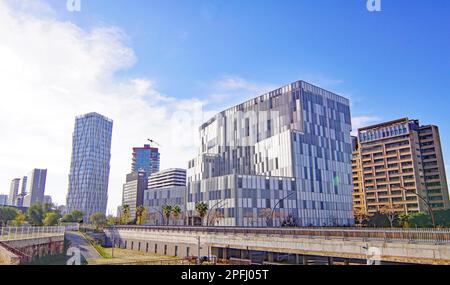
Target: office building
(90, 165)
(145, 159)
(48, 199)
(3, 200)
(13, 192)
(393, 163)
(19, 200)
(35, 187)
(288, 150)
(167, 187)
(133, 192)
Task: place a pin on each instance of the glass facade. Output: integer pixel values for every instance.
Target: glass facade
(146, 159)
(295, 138)
(90, 164)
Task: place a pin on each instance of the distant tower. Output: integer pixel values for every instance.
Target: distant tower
(35, 187)
(13, 191)
(90, 166)
(146, 159)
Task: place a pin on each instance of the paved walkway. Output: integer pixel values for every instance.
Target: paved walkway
(87, 250)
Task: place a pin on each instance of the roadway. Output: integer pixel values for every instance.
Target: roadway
(86, 249)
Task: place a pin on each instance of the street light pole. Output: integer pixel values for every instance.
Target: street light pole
(276, 205)
(430, 209)
(113, 241)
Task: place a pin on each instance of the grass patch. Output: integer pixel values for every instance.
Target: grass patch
(100, 249)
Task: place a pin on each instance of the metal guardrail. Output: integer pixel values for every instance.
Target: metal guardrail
(436, 236)
(20, 233)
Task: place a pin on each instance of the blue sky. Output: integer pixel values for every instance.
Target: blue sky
(394, 63)
(391, 64)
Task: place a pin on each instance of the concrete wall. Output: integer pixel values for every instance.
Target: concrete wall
(357, 249)
(7, 257)
(37, 248)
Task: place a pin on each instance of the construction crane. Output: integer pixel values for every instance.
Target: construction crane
(153, 142)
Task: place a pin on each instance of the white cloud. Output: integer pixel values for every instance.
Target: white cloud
(363, 121)
(52, 71)
(231, 90)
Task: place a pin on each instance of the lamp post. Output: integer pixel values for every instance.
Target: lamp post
(113, 241)
(276, 205)
(430, 209)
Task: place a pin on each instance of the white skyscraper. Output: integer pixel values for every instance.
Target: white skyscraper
(89, 169)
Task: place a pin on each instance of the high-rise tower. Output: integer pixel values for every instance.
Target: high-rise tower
(89, 169)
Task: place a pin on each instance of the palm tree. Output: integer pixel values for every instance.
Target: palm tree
(125, 214)
(140, 215)
(201, 208)
(167, 211)
(176, 212)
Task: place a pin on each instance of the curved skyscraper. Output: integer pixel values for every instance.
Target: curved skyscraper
(89, 169)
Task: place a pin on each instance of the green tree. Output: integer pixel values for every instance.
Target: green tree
(77, 216)
(442, 218)
(404, 220)
(140, 215)
(202, 209)
(7, 214)
(19, 220)
(35, 214)
(98, 219)
(51, 219)
(110, 220)
(167, 211)
(379, 220)
(67, 218)
(421, 220)
(125, 218)
(176, 212)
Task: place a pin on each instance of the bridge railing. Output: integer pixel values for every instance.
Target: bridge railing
(440, 236)
(20, 233)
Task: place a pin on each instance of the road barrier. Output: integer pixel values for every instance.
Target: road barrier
(436, 236)
(19, 233)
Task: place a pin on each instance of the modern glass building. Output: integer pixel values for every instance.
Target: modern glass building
(287, 152)
(90, 165)
(3, 200)
(146, 159)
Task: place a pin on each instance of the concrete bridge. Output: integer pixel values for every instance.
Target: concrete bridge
(296, 246)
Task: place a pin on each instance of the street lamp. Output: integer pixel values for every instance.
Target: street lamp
(276, 205)
(430, 209)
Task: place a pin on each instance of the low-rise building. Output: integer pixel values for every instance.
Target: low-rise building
(167, 187)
